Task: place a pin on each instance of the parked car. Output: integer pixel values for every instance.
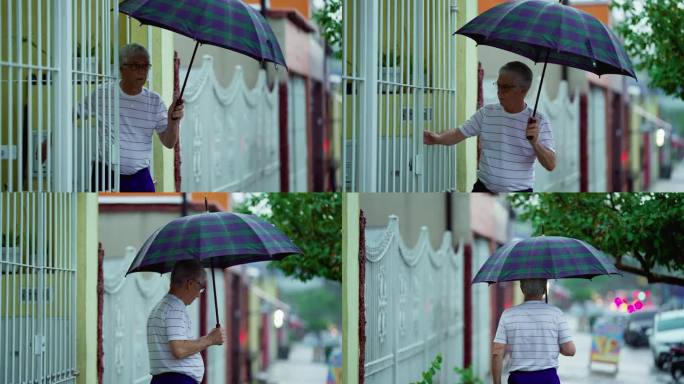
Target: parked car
(637, 324)
(667, 331)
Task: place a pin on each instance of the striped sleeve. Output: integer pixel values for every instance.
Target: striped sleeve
(175, 325)
(161, 116)
(563, 330)
(473, 126)
(500, 336)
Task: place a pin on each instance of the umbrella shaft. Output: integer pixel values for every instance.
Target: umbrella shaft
(534, 113)
(188, 72)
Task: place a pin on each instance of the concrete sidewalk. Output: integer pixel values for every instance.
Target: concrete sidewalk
(299, 368)
(674, 183)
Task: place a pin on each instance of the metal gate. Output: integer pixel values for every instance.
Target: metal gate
(38, 288)
(230, 135)
(53, 55)
(399, 79)
(413, 301)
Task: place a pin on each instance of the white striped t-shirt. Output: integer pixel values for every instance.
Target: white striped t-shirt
(140, 116)
(170, 321)
(507, 157)
(533, 332)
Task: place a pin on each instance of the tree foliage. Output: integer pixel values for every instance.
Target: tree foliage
(647, 227)
(314, 223)
(329, 19)
(653, 33)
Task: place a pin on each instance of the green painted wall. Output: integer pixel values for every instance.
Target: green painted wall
(86, 294)
(466, 62)
(350, 287)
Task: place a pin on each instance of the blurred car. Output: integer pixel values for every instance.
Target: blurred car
(637, 324)
(667, 331)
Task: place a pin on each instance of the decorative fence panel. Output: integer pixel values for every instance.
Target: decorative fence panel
(413, 307)
(399, 79)
(38, 288)
(229, 139)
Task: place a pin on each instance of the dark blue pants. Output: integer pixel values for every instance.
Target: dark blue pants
(103, 179)
(480, 187)
(546, 376)
(140, 181)
(172, 378)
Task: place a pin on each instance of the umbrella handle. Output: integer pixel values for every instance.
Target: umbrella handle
(213, 282)
(534, 113)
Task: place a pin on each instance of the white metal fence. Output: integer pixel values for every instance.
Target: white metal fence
(413, 307)
(54, 54)
(229, 140)
(563, 115)
(481, 352)
(398, 80)
(38, 288)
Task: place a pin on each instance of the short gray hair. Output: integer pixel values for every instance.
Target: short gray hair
(523, 71)
(132, 49)
(533, 287)
(186, 270)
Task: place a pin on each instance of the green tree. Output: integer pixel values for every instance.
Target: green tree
(314, 223)
(642, 231)
(319, 307)
(653, 33)
(329, 19)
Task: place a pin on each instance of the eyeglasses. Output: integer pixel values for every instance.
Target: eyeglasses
(503, 87)
(139, 67)
(202, 286)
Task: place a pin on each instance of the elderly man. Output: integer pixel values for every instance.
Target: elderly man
(511, 139)
(534, 332)
(141, 113)
(174, 351)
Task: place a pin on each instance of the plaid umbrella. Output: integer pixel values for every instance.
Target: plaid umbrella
(552, 32)
(215, 239)
(545, 257)
(229, 24)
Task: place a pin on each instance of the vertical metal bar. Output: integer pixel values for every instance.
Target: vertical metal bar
(49, 99)
(72, 273)
(345, 97)
(397, 94)
(23, 333)
(9, 269)
(20, 99)
(10, 80)
(369, 103)
(42, 303)
(39, 84)
(114, 76)
(29, 101)
(15, 287)
(384, 92)
(403, 90)
(354, 97)
(64, 99)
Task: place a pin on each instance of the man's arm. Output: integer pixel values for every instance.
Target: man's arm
(181, 349)
(450, 137)
(498, 350)
(170, 136)
(546, 157)
(568, 349)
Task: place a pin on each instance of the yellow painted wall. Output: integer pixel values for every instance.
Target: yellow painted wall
(466, 63)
